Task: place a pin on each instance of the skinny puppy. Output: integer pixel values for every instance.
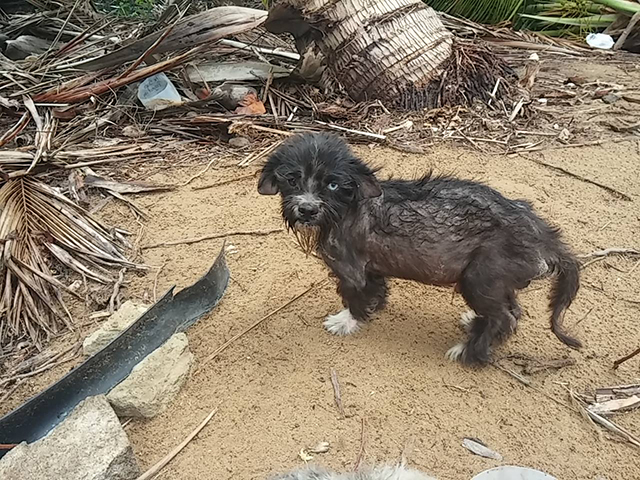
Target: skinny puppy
(437, 230)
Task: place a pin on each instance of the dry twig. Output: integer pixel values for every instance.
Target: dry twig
(213, 236)
(337, 395)
(621, 360)
(224, 346)
(155, 469)
(611, 190)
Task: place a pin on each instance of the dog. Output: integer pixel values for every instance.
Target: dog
(383, 472)
(437, 230)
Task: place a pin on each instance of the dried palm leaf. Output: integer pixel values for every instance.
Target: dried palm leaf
(38, 223)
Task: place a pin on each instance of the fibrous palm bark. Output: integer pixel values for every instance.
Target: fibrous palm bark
(397, 51)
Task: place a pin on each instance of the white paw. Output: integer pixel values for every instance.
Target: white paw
(455, 352)
(341, 323)
(466, 318)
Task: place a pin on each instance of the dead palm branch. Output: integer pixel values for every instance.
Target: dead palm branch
(43, 234)
(47, 239)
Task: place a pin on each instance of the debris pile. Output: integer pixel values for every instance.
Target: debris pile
(81, 91)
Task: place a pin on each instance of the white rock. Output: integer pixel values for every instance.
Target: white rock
(155, 381)
(90, 444)
(128, 313)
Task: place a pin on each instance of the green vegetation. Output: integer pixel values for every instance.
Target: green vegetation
(552, 17)
(127, 8)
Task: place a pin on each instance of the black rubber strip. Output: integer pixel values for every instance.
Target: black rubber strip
(107, 368)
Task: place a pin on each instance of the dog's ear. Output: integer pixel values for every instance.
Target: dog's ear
(369, 187)
(267, 184)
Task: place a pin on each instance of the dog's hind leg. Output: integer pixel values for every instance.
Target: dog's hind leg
(360, 304)
(484, 290)
(515, 310)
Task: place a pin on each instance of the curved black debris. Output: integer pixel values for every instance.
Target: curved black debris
(103, 371)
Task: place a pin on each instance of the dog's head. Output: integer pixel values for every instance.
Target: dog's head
(318, 178)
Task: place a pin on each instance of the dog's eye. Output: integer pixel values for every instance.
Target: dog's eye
(332, 186)
(292, 181)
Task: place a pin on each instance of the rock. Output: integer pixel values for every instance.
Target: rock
(155, 381)
(128, 313)
(239, 142)
(90, 444)
(611, 98)
(24, 46)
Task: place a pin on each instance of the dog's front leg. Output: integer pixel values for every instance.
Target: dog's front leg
(362, 294)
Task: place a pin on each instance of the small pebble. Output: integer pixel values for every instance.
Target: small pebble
(239, 142)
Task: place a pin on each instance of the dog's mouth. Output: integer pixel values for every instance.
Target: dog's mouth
(306, 236)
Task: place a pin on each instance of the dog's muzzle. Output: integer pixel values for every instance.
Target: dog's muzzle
(307, 212)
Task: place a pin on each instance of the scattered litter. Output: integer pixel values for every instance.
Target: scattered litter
(476, 447)
(600, 40)
(157, 93)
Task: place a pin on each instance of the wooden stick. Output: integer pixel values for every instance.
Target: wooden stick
(213, 236)
(623, 38)
(610, 251)
(153, 46)
(613, 191)
(336, 393)
(199, 174)
(620, 361)
(116, 290)
(225, 182)
(254, 325)
(155, 282)
(154, 470)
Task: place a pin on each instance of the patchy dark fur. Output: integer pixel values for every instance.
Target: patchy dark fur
(437, 230)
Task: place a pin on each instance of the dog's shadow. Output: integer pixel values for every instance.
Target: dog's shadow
(419, 320)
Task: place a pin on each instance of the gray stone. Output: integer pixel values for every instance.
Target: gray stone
(239, 142)
(24, 46)
(90, 444)
(611, 98)
(128, 313)
(155, 381)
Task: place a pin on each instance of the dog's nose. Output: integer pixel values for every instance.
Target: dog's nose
(307, 210)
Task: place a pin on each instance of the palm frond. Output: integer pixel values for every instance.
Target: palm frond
(488, 12)
(37, 224)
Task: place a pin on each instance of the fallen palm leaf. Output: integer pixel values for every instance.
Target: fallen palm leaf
(36, 220)
(205, 27)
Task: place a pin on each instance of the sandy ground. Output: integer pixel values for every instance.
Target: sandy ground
(273, 389)
(273, 386)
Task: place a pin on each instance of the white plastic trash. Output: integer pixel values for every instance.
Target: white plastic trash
(600, 40)
(512, 473)
(157, 92)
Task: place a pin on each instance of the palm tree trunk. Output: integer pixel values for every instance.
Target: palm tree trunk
(378, 49)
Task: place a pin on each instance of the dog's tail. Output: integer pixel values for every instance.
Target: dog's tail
(564, 290)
